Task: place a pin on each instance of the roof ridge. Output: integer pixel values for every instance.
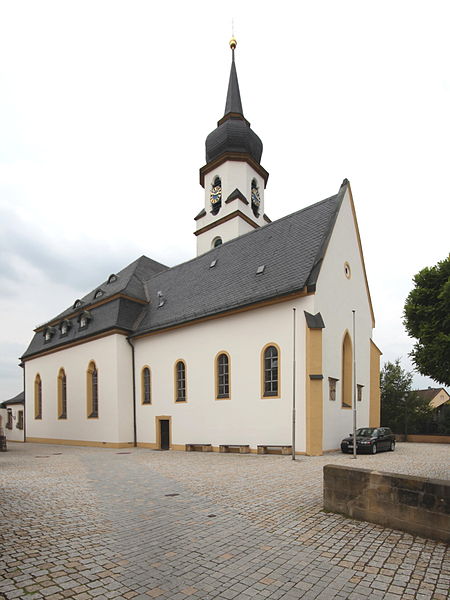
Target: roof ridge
(254, 232)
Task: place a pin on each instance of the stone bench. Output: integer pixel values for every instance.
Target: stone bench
(274, 449)
(236, 448)
(198, 448)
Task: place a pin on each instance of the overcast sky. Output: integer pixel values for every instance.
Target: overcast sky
(104, 111)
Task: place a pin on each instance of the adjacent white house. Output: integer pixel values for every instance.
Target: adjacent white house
(12, 418)
(217, 349)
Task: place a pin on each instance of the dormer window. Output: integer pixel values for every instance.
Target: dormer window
(64, 328)
(49, 333)
(215, 195)
(256, 198)
(99, 293)
(112, 278)
(77, 304)
(161, 299)
(84, 319)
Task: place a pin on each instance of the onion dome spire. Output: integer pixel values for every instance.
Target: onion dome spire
(233, 103)
(233, 133)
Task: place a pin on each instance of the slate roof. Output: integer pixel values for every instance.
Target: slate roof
(130, 281)
(233, 102)
(233, 132)
(19, 399)
(290, 249)
(117, 313)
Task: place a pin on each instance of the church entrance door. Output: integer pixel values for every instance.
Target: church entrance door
(164, 434)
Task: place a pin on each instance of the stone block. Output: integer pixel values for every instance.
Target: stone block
(413, 504)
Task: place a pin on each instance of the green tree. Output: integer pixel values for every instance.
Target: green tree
(395, 384)
(418, 414)
(402, 410)
(427, 318)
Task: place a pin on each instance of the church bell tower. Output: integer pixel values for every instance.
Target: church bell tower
(233, 178)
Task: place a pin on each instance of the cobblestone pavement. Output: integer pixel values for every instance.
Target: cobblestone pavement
(95, 523)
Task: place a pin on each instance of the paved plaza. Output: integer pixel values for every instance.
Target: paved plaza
(97, 523)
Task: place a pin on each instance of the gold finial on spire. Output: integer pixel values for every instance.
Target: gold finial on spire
(233, 43)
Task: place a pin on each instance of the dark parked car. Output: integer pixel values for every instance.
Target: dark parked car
(370, 440)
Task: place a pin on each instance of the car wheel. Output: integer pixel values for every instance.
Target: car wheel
(392, 446)
(374, 449)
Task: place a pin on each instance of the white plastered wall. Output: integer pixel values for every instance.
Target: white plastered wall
(112, 356)
(14, 434)
(336, 296)
(245, 418)
(233, 174)
(226, 231)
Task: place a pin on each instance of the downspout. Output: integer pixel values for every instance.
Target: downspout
(133, 368)
(22, 365)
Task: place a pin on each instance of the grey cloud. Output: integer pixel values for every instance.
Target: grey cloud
(80, 264)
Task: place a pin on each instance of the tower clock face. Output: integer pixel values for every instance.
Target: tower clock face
(256, 200)
(216, 194)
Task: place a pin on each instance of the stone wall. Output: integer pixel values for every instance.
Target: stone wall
(425, 438)
(417, 505)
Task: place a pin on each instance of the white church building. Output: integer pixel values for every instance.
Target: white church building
(215, 351)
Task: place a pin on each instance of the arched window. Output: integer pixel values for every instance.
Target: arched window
(346, 372)
(92, 391)
(222, 376)
(271, 371)
(146, 386)
(180, 381)
(37, 397)
(217, 241)
(62, 395)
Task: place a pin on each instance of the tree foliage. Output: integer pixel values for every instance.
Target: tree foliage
(401, 409)
(395, 385)
(427, 318)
